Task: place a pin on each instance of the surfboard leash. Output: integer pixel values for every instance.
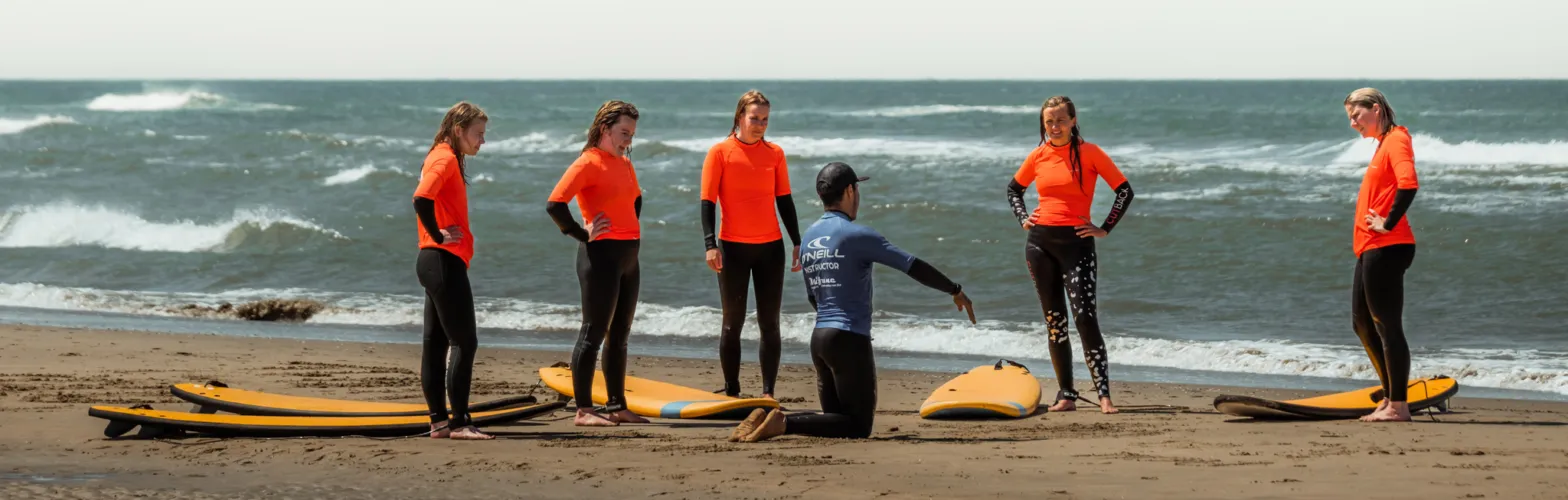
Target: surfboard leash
(1137, 408)
(1433, 410)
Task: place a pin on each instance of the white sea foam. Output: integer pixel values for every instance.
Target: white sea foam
(66, 224)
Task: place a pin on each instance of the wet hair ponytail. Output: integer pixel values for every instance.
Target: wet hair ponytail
(1073, 142)
(609, 113)
(1366, 98)
(746, 100)
(460, 116)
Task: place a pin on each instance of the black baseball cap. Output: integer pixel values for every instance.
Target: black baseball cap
(834, 177)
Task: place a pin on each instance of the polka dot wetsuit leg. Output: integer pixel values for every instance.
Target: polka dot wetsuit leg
(1064, 267)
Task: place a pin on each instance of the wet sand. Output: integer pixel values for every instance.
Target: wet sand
(50, 448)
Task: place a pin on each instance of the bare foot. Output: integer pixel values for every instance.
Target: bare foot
(627, 417)
(470, 433)
(587, 418)
(1106, 407)
(748, 425)
(771, 426)
(1382, 406)
(1064, 405)
(1396, 412)
(769, 395)
(439, 430)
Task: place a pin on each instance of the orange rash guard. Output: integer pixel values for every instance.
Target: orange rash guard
(1393, 168)
(441, 180)
(603, 183)
(745, 180)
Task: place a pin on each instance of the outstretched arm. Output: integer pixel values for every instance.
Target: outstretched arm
(929, 276)
(883, 252)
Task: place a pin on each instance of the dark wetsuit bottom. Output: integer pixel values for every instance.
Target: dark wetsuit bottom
(846, 385)
(608, 274)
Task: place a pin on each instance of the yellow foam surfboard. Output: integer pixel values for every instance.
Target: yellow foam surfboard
(1003, 390)
(215, 396)
(1422, 394)
(651, 398)
(156, 422)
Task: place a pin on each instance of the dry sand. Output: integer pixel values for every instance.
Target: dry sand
(50, 448)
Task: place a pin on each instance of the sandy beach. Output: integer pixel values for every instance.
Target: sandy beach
(50, 448)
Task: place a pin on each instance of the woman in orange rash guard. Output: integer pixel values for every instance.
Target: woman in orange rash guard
(746, 176)
(445, 248)
(605, 186)
(1060, 246)
(1384, 247)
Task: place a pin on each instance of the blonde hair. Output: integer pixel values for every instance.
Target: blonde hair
(609, 113)
(747, 99)
(1367, 98)
(461, 115)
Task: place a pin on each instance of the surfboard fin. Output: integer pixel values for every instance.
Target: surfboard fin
(117, 428)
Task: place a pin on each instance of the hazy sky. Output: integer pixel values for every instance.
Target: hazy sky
(788, 39)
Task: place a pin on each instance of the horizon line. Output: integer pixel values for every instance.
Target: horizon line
(800, 80)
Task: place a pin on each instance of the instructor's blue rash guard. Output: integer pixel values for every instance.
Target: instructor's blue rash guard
(836, 264)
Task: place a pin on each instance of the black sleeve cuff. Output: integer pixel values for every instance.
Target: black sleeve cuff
(1015, 199)
(709, 220)
(1118, 207)
(929, 276)
(425, 208)
(786, 205)
(564, 221)
(1402, 200)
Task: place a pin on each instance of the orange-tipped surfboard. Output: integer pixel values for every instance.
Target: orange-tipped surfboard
(1422, 394)
(215, 396)
(651, 398)
(1003, 390)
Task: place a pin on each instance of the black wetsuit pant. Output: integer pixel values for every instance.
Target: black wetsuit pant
(608, 274)
(1376, 304)
(762, 264)
(447, 363)
(846, 386)
(1063, 267)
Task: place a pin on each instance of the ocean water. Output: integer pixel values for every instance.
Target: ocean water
(119, 199)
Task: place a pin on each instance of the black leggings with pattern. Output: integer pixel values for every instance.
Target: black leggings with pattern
(1063, 267)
